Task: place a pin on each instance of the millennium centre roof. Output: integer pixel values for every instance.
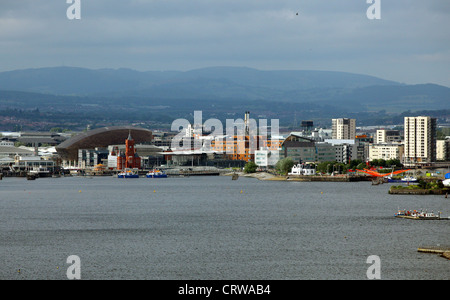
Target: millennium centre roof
(101, 138)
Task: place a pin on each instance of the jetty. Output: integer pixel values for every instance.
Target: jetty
(444, 251)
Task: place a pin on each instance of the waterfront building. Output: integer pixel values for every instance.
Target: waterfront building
(325, 152)
(345, 150)
(99, 138)
(243, 147)
(420, 140)
(11, 152)
(266, 157)
(303, 169)
(151, 155)
(386, 151)
(299, 148)
(362, 146)
(89, 158)
(40, 138)
(305, 150)
(343, 129)
(443, 150)
(130, 159)
(29, 163)
(163, 139)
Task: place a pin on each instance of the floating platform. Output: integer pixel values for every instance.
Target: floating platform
(444, 251)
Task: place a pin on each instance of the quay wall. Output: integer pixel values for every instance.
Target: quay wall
(405, 191)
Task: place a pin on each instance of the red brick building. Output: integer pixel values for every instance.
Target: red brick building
(130, 159)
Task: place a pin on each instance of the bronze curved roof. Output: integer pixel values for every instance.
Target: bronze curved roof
(102, 138)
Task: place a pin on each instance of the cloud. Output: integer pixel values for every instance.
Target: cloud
(265, 34)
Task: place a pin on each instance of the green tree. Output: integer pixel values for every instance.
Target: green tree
(327, 166)
(361, 166)
(422, 184)
(250, 167)
(284, 165)
(393, 162)
(378, 162)
(354, 163)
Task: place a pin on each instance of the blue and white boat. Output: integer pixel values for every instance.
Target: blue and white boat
(156, 174)
(406, 179)
(128, 174)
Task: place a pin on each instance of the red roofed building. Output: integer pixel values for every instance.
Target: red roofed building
(130, 159)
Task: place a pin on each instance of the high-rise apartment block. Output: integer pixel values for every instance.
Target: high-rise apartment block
(420, 139)
(343, 129)
(388, 136)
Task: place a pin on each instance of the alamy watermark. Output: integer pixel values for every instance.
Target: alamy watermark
(374, 10)
(74, 270)
(240, 137)
(74, 10)
(374, 271)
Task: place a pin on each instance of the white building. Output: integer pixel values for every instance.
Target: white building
(384, 136)
(443, 150)
(265, 158)
(343, 129)
(420, 139)
(386, 151)
(301, 169)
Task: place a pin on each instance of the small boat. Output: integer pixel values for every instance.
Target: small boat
(446, 182)
(156, 174)
(40, 172)
(128, 174)
(31, 176)
(419, 215)
(406, 179)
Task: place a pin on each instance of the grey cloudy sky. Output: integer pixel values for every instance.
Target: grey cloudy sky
(410, 44)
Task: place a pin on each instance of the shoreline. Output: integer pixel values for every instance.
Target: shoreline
(265, 176)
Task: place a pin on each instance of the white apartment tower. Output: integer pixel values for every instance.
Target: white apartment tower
(387, 136)
(420, 139)
(344, 129)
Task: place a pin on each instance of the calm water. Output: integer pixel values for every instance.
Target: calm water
(205, 228)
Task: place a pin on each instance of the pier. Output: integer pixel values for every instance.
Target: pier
(444, 251)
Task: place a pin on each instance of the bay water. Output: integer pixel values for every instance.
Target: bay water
(214, 228)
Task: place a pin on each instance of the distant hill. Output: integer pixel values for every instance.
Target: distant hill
(79, 81)
(346, 91)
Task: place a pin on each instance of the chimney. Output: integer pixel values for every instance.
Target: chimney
(246, 123)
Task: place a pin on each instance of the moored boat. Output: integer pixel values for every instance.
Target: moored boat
(128, 174)
(40, 172)
(156, 174)
(406, 179)
(446, 182)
